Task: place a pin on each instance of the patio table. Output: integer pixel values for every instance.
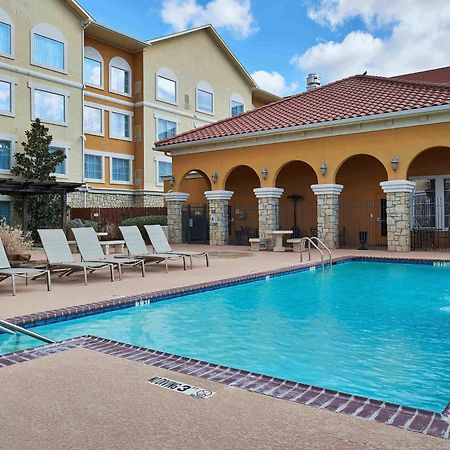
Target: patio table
(279, 239)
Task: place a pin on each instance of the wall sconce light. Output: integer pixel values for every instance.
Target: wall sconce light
(264, 173)
(323, 168)
(172, 180)
(394, 163)
(214, 177)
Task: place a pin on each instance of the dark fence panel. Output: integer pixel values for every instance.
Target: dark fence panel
(300, 217)
(243, 223)
(195, 223)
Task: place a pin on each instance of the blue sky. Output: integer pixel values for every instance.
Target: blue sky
(280, 41)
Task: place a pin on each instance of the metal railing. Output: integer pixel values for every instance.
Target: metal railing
(12, 328)
(310, 242)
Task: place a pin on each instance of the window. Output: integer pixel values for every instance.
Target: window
(166, 86)
(5, 156)
(5, 97)
(166, 128)
(236, 108)
(120, 76)
(93, 67)
(93, 167)
(48, 47)
(205, 98)
(5, 39)
(49, 106)
(121, 170)
(5, 211)
(163, 168)
(119, 125)
(431, 206)
(61, 169)
(93, 120)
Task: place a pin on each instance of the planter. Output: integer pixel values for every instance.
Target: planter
(22, 257)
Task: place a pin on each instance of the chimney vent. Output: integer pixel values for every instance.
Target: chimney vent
(312, 81)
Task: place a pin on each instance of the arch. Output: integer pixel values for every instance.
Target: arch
(204, 98)
(430, 161)
(91, 73)
(195, 182)
(244, 216)
(115, 86)
(166, 85)
(292, 162)
(230, 171)
(357, 155)
(49, 60)
(8, 51)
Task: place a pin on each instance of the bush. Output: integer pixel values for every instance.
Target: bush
(80, 223)
(145, 220)
(15, 241)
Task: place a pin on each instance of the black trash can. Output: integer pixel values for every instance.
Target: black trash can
(362, 240)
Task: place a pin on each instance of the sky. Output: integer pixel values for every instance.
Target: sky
(280, 41)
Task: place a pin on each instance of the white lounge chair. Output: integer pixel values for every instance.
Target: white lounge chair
(161, 244)
(137, 248)
(6, 271)
(91, 251)
(59, 256)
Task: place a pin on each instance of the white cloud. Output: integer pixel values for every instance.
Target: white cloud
(233, 15)
(274, 82)
(417, 38)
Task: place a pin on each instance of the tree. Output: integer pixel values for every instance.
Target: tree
(37, 162)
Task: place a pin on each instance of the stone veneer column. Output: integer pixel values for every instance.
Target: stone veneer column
(175, 202)
(398, 209)
(269, 212)
(218, 216)
(328, 213)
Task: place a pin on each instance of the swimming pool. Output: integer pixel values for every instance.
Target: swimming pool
(380, 330)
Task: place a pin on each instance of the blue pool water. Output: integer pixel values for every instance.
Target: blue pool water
(374, 329)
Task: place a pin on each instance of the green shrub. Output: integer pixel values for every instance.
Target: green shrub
(145, 220)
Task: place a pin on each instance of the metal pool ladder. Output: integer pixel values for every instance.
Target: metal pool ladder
(11, 328)
(317, 246)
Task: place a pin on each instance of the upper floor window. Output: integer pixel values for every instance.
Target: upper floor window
(166, 86)
(236, 105)
(61, 168)
(163, 169)
(49, 106)
(6, 35)
(93, 167)
(93, 120)
(48, 47)
(93, 67)
(119, 125)
(6, 88)
(120, 76)
(205, 98)
(166, 128)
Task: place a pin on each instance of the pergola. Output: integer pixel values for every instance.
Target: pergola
(26, 188)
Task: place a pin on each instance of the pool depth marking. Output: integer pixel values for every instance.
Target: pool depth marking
(182, 388)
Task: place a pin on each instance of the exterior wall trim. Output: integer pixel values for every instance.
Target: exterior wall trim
(398, 186)
(109, 99)
(218, 195)
(268, 192)
(176, 196)
(322, 189)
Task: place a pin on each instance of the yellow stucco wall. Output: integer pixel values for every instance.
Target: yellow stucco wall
(25, 14)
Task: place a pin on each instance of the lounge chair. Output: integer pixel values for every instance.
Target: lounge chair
(161, 245)
(59, 256)
(6, 271)
(137, 248)
(91, 251)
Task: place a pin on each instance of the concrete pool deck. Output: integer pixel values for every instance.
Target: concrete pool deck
(84, 399)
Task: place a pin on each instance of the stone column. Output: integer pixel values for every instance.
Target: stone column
(269, 212)
(328, 213)
(175, 202)
(218, 202)
(398, 210)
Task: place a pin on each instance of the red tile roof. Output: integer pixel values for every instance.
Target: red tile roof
(356, 96)
(440, 76)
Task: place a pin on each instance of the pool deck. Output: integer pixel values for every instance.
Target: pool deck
(84, 398)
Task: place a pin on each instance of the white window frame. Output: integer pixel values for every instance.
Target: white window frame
(6, 19)
(238, 99)
(52, 90)
(165, 72)
(158, 159)
(164, 117)
(50, 32)
(65, 146)
(205, 87)
(439, 198)
(120, 156)
(12, 82)
(95, 153)
(94, 54)
(13, 140)
(120, 63)
(125, 113)
(102, 118)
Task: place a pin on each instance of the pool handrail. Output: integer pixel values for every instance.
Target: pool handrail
(310, 240)
(13, 327)
(320, 242)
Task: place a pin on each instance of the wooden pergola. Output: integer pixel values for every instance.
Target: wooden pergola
(26, 188)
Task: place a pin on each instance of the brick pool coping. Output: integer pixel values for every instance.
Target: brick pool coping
(412, 419)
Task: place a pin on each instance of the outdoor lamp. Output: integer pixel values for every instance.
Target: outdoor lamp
(172, 180)
(264, 173)
(394, 163)
(323, 168)
(215, 177)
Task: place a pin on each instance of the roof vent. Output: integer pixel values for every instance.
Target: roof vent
(312, 81)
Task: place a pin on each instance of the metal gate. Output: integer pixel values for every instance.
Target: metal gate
(299, 216)
(195, 224)
(243, 223)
